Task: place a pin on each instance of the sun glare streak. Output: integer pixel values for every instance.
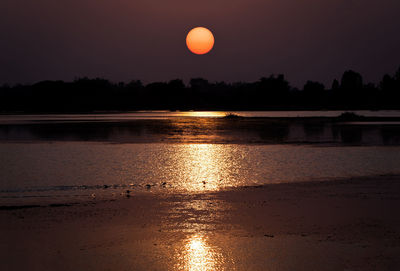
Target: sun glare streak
(202, 167)
(203, 114)
(198, 255)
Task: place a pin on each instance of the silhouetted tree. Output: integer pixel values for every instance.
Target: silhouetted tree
(176, 84)
(199, 84)
(351, 81)
(335, 85)
(268, 93)
(390, 87)
(397, 75)
(350, 91)
(313, 87)
(176, 94)
(387, 84)
(135, 85)
(313, 93)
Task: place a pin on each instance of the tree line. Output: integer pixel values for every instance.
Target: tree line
(268, 93)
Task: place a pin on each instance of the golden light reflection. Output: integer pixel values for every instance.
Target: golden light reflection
(203, 167)
(198, 255)
(202, 114)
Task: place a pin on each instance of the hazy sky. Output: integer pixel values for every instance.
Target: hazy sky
(145, 39)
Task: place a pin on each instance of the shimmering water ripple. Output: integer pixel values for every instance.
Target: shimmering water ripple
(85, 168)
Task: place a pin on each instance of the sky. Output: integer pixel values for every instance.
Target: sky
(124, 40)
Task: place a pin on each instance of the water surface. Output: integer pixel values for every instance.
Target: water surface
(179, 114)
(83, 169)
(81, 156)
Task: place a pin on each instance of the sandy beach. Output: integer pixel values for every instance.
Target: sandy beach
(348, 224)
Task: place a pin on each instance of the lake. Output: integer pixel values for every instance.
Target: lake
(73, 157)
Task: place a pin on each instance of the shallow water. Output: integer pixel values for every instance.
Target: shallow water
(66, 159)
(80, 156)
(79, 169)
(201, 130)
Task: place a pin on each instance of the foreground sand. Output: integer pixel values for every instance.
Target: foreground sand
(350, 224)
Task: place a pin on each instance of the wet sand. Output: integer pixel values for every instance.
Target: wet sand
(350, 224)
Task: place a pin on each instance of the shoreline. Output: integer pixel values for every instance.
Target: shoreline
(120, 193)
(283, 109)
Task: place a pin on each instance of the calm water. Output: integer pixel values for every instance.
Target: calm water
(135, 128)
(85, 156)
(83, 169)
(177, 114)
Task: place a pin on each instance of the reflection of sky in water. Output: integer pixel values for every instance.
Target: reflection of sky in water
(197, 255)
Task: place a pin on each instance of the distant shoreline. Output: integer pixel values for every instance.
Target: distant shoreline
(259, 114)
(7, 113)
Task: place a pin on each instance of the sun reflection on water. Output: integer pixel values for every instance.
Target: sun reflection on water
(198, 255)
(203, 167)
(202, 114)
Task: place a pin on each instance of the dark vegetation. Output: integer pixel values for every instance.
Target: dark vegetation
(350, 116)
(232, 116)
(268, 93)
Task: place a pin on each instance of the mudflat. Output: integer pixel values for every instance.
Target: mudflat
(347, 224)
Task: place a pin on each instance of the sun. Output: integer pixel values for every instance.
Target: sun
(200, 40)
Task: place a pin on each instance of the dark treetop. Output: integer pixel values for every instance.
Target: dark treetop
(268, 93)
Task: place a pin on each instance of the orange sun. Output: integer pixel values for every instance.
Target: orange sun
(200, 40)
